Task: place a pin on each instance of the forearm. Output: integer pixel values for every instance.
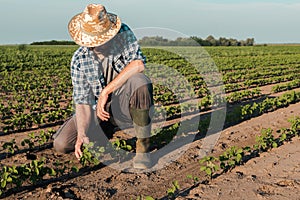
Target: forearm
(83, 119)
(133, 67)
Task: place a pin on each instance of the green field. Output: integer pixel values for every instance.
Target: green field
(36, 94)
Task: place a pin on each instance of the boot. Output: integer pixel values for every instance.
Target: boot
(142, 127)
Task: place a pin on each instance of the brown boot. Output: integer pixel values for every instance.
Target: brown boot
(142, 127)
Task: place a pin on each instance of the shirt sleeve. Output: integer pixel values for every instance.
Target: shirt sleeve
(85, 80)
(129, 50)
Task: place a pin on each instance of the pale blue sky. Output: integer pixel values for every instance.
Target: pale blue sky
(268, 21)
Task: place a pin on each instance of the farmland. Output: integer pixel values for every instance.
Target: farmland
(193, 89)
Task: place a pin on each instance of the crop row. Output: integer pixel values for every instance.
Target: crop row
(38, 170)
(36, 89)
(235, 156)
(287, 86)
(214, 166)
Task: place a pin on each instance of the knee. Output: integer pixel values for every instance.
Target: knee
(142, 97)
(60, 146)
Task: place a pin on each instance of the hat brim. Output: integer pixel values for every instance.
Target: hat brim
(86, 40)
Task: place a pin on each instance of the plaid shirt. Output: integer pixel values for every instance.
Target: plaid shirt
(87, 78)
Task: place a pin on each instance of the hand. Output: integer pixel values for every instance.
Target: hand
(79, 142)
(101, 112)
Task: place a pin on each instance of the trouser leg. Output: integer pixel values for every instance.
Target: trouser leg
(140, 111)
(66, 136)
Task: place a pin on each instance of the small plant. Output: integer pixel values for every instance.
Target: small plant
(60, 167)
(121, 144)
(29, 141)
(285, 135)
(295, 127)
(209, 166)
(173, 190)
(37, 170)
(88, 157)
(230, 158)
(194, 178)
(265, 141)
(7, 175)
(120, 149)
(11, 146)
(43, 137)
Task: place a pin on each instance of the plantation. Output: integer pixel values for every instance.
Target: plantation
(198, 93)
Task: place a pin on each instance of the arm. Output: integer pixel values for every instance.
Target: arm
(82, 96)
(135, 66)
(83, 118)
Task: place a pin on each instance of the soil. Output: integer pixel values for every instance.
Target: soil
(272, 175)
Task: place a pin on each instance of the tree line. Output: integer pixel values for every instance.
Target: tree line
(54, 42)
(180, 41)
(195, 41)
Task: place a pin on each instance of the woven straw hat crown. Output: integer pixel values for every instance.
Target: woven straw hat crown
(94, 26)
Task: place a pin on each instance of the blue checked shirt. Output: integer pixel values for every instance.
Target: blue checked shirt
(87, 78)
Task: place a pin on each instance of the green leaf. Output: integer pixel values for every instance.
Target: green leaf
(203, 168)
(283, 137)
(37, 171)
(274, 145)
(129, 147)
(9, 179)
(216, 167)
(149, 198)
(208, 171)
(239, 158)
(3, 183)
(239, 151)
(75, 169)
(175, 183)
(5, 175)
(52, 172)
(189, 176)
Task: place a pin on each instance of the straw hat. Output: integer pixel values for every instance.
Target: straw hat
(94, 26)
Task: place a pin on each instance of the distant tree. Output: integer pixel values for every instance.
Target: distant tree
(185, 42)
(198, 40)
(212, 41)
(250, 41)
(224, 42)
(234, 42)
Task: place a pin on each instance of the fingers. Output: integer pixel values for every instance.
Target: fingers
(102, 114)
(78, 153)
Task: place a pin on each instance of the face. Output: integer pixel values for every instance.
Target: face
(103, 49)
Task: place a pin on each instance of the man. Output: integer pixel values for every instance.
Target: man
(107, 75)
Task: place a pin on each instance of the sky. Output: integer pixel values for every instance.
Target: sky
(267, 21)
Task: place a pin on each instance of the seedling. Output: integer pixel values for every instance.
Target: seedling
(88, 157)
(209, 166)
(11, 146)
(265, 141)
(194, 178)
(173, 190)
(230, 158)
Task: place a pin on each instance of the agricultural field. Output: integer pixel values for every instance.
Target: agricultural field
(222, 112)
